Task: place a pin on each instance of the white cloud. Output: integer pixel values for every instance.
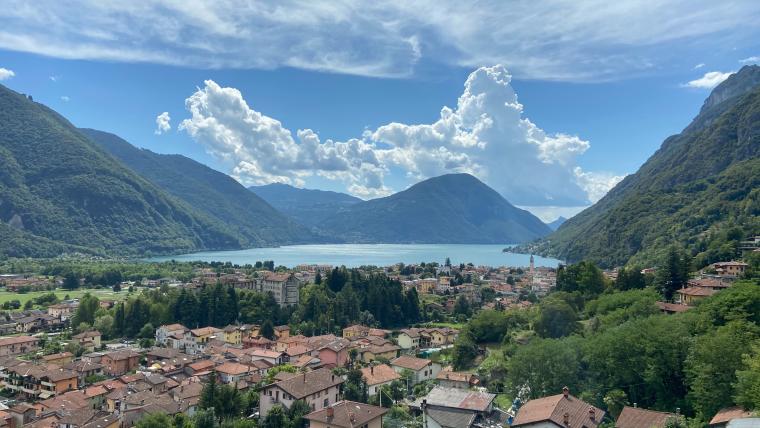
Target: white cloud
(163, 123)
(54, 78)
(561, 40)
(750, 60)
(6, 74)
(709, 80)
(65, 99)
(485, 135)
(698, 66)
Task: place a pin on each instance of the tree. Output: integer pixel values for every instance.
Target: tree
(204, 418)
(557, 319)
(318, 278)
(147, 331)
(630, 279)
(465, 350)
(748, 380)
(116, 287)
(104, 325)
(85, 313)
(119, 321)
(583, 277)
(545, 366)
(296, 414)
(355, 387)
(673, 273)
(209, 393)
(462, 306)
(267, 330)
(155, 420)
(70, 281)
(229, 403)
(276, 418)
(615, 400)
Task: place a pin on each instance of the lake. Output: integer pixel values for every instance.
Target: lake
(353, 255)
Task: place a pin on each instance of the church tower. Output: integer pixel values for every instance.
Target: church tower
(532, 264)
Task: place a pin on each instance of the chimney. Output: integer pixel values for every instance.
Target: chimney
(592, 413)
(566, 419)
(565, 391)
(330, 413)
(304, 377)
(372, 370)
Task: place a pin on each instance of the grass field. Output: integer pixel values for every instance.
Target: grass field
(103, 294)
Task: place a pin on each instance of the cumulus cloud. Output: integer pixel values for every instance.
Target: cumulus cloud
(163, 123)
(709, 80)
(561, 40)
(6, 74)
(750, 60)
(485, 135)
(53, 78)
(65, 98)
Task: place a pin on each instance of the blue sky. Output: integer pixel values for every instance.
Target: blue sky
(599, 86)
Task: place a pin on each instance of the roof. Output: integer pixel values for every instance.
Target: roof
(555, 407)
(57, 356)
(309, 383)
(379, 374)
(454, 376)
(231, 368)
(729, 413)
(673, 307)
(14, 340)
(633, 417)
(452, 418)
(457, 398)
(347, 414)
(86, 334)
(411, 363)
(696, 291)
(173, 327)
(122, 354)
(277, 277)
(205, 331)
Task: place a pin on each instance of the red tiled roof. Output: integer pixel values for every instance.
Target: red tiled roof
(554, 408)
(379, 374)
(632, 417)
(411, 363)
(729, 413)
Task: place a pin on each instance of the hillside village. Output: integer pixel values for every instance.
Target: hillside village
(60, 371)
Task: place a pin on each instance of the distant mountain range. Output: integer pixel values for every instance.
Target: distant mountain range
(216, 195)
(554, 225)
(307, 206)
(701, 181)
(453, 208)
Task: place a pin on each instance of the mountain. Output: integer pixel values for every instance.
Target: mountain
(697, 186)
(454, 208)
(307, 206)
(208, 191)
(554, 225)
(59, 192)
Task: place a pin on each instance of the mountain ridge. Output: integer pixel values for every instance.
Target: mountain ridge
(451, 208)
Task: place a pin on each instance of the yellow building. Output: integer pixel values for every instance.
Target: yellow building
(233, 335)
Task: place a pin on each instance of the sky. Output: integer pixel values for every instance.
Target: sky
(550, 103)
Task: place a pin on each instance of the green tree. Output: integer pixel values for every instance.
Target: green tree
(296, 414)
(748, 380)
(205, 418)
(462, 306)
(155, 420)
(673, 272)
(465, 350)
(70, 281)
(630, 279)
(545, 366)
(267, 330)
(556, 319)
(355, 387)
(85, 313)
(209, 393)
(276, 418)
(229, 402)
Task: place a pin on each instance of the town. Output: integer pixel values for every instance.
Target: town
(317, 345)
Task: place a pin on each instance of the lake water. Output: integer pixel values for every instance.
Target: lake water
(352, 255)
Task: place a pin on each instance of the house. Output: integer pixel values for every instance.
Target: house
(319, 388)
(335, 352)
(120, 362)
(731, 268)
(450, 379)
(84, 369)
(36, 322)
(272, 357)
(452, 407)
(230, 372)
(233, 335)
(355, 331)
(62, 311)
(347, 414)
(437, 337)
(281, 332)
(377, 376)
(726, 415)
(60, 358)
(89, 340)
(164, 332)
(35, 381)
(188, 396)
(17, 345)
(195, 340)
(691, 295)
(561, 410)
(422, 369)
(387, 351)
(283, 286)
(634, 417)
